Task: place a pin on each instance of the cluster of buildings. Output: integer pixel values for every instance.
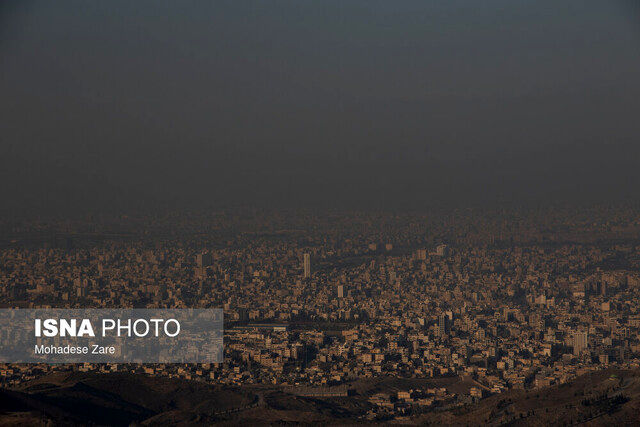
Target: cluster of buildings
(515, 300)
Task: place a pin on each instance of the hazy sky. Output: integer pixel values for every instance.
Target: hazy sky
(317, 103)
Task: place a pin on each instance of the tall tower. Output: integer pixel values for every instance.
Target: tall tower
(340, 291)
(580, 342)
(443, 325)
(306, 265)
(203, 260)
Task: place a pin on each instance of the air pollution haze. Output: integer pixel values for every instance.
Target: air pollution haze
(137, 105)
(320, 212)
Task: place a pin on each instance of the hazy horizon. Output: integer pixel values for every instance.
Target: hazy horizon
(126, 105)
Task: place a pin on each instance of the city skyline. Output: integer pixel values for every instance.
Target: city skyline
(458, 309)
(320, 212)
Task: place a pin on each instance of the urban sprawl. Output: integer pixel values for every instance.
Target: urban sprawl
(513, 299)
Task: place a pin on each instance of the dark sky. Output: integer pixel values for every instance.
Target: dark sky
(129, 104)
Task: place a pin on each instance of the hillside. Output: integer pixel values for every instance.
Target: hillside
(610, 397)
(119, 399)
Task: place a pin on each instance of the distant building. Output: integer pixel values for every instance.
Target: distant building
(340, 291)
(580, 342)
(392, 277)
(442, 250)
(476, 392)
(443, 324)
(306, 265)
(203, 260)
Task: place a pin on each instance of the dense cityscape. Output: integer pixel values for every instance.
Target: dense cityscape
(271, 213)
(488, 301)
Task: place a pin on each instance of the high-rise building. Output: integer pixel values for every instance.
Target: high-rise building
(443, 324)
(392, 277)
(203, 260)
(580, 342)
(442, 250)
(340, 291)
(306, 265)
